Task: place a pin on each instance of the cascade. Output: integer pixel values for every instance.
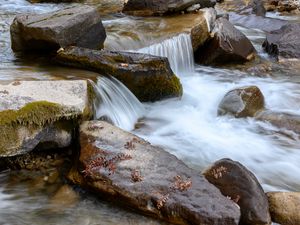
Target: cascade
(178, 50)
(116, 103)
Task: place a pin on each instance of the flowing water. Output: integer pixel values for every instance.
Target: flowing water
(187, 127)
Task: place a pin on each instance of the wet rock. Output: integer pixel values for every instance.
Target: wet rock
(132, 172)
(257, 22)
(228, 45)
(150, 78)
(258, 7)
(237, 182)
(281, 119)
(64, 197)
(282, 5)
(285, 207)
(31, 117)
(158, 7)
(76, 26)
(242, 102)
(284, 42)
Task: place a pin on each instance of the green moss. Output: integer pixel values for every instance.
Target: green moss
(34, 116)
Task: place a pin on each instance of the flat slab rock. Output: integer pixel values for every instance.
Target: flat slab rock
(35, 112)
(129, 170)
(148, 77)
(78, 25)
(158, 7)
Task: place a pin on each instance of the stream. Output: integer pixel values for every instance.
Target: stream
(187, 127)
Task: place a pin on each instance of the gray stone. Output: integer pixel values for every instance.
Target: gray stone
(284, 42)
(132, 172)
(76, 25)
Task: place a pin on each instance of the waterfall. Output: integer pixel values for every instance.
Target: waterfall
(178, 50)
(116, 103)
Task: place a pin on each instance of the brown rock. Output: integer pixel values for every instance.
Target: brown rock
(285, 207)
(228, 45)
(237, 182)
(158, 7)
(132, 172)
(242, 102)
(77, 26)
(150, 78)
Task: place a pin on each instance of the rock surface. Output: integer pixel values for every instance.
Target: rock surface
(228, 45)
(242, 102)
(150, 78)
(41, 113)
(280, 119)
(129, 170)
(285, 207)
(77, 26)
(158, 7)
(284, 42)
(237, 182)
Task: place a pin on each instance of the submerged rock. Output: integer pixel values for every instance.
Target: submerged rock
(150, 78)
(281, 119)
(158, 7)
(65, 197)
(132, 172)
(228, 45)
(77, 26)
(41, 113)
(242, 102)
(285, 207)
(237, 182)
(284, 42)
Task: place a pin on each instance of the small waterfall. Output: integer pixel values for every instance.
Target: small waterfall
(178, 50)
(116, 103)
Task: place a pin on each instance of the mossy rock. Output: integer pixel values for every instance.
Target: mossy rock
(28, 122)
(148, 77)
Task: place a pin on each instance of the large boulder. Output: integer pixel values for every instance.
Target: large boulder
(284, 42)
(77, 26)
(158, 7)
(237, 182)
(41, 113)
(150, 78)
(228, 45)
(285, 207)
(128, 170)
(242, 102)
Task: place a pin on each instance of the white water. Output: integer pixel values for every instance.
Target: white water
(178, 50)
(190, 128)
(115, 102)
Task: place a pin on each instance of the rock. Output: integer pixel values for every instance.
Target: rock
(150, 78)
(238, 183)
(193, 8)
(257, 22)
(158, 7)
(228, 45)
(77, 26)
(64, 197)
(282, 5)
(132, 172)
(280, 119)
(258, 7)
(285, 207)
(284, 42)
(242, 102)
(31, 116)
